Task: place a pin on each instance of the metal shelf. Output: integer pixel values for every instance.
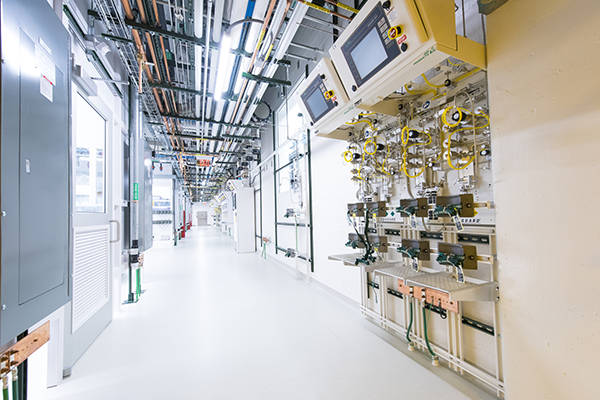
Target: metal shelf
(445, 282)
(349, 259)
(400, 271)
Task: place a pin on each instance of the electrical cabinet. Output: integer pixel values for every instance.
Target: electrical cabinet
(35, 165)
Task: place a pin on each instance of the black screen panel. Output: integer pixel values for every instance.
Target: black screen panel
(314, 99)
(369, 49)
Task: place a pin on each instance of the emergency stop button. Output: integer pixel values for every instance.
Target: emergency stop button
(394, 32)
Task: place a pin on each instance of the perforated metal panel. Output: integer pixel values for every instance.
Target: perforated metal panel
(90, 273)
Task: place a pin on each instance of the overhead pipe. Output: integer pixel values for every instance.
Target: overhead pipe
(254, 55)
(260, 6)
(261, 69)
(238, 37)
(280, 13)
(324, 10)
(305, 47)
(206, 52)
(218, 21)
(326, 23)
(198, 21)
(298, 14)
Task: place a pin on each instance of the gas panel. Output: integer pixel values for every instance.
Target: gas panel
(422, 225)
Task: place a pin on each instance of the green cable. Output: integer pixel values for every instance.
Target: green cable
(15, 389)
(137, 283)
(425, 326)
(410, 323)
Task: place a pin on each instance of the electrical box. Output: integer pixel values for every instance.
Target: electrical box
(376, 209)
(461, 204)
(467, 252)
(35, 193)
(423, 252)
(390, 43)
(356, 209)
(417, 207)
(380, 242)
(324, 100)
(243, 217)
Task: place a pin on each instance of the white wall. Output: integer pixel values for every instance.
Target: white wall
(332, 191)
(202, 207)
(544, 76)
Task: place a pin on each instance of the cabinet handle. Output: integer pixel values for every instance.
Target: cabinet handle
(118, 230)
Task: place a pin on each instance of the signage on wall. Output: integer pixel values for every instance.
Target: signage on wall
(203, 163)
(136, 192)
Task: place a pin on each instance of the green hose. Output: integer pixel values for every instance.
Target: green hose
(15, 389)
(425, 326)
(410, 323)
(5, 393)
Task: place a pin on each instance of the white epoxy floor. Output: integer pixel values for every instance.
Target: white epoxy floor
(217, 325)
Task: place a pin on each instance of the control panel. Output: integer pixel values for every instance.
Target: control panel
(323, 98)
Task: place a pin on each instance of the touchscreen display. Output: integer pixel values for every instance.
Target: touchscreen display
(369, 53)
(369, 50)
(317, 104)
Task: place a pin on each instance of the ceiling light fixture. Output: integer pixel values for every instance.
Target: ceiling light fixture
(224, 58)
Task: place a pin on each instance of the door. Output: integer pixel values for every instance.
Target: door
(92, 200)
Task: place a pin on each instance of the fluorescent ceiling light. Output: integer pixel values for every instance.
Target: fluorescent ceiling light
(222, 67)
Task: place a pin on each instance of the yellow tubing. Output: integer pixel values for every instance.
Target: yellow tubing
(386, 156)
(370, 140)
(431, 84)
(360, 122)
(465, 129)
(345, 154)
(404, 142)
(460, 110)
(456, 65)
(417, 93)
(404, 154)
(460, 78)
(360, 168)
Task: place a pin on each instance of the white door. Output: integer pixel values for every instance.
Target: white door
(92, 206)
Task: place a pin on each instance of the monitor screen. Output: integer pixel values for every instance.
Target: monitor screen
(369, 53)
(317, 104)
(369, 50)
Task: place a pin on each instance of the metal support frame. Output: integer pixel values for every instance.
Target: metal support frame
(207, 120)
(305, 47)
(187, 90)
(264, 79)
(454, 354)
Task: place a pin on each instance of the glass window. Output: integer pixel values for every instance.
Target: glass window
(293, 124)
(90, 157)
(369, 53)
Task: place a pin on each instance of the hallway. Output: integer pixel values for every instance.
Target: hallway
(217, 325)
